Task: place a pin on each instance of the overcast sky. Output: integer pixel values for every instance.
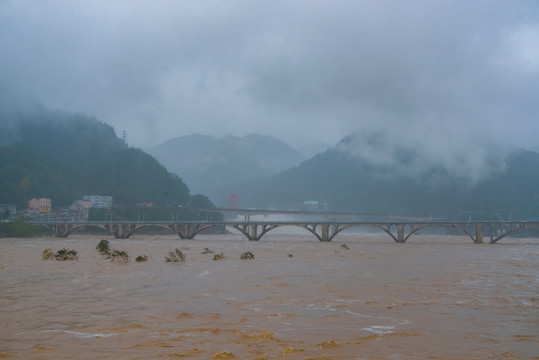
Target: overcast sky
(303, 71)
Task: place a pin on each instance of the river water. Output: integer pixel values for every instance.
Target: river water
(435, 297)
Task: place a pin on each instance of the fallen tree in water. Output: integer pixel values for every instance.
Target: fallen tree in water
(175, 256)
(119, 256)
(61, 255)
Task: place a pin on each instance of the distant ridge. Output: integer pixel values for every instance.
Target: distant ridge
(344, 181)
(206, 162)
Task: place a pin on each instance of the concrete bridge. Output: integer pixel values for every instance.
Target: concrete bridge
(399, 231)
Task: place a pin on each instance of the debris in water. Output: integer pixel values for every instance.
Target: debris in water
(247, 256)
(61, 255)
(219, 256)
(327, 344)
(119, 256)
(104, 248)
(175, 256)
(47, 254)
(223, 355)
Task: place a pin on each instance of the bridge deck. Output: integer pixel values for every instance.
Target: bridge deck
(399, 231)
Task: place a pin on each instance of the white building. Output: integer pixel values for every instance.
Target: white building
(98, 201)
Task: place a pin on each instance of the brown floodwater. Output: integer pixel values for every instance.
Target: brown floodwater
(435, 297)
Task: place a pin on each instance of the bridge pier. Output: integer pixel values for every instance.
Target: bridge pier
(478, 234)
(184, 231)
(61, 231)
(119, 231)
(327, 230)
(402, 235)
(254, 232)
(475, 233)
(188, 231)
(507, 229)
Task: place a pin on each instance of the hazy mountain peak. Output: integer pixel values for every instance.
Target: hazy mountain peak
(206, 162)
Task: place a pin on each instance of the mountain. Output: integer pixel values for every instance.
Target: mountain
(206, 163)
(343, 181)
(63, 156)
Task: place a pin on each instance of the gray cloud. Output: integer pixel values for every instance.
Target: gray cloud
(440, 74)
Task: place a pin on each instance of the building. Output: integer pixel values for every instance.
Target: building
(81, 205)
(80, 210)
(98, 201)
(41, 205)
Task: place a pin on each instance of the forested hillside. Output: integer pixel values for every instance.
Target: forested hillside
(343, 182)
(64, 156)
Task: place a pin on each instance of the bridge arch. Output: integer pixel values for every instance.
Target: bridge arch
(253, 231)
(323, 231)
(184, 231)
(133, 229)
(66, 230)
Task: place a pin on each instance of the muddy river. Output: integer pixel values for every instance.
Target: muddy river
(435, 297)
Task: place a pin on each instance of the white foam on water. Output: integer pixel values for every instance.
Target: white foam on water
(203, 274)
(359, 315)
(254, 308)
(380, 330)
(469, 282)
(81, 335)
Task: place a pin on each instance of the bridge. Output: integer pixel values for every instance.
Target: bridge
(321, 214)
(399, 231)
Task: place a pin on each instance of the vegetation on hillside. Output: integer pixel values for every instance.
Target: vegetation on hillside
(64, 156)
(19, 228)
(344, 183)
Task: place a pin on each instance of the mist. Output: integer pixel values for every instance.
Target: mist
(461, 154)
(451, 80)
